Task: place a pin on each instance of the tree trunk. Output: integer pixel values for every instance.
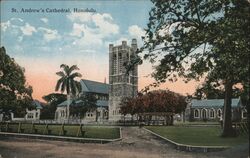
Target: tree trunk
(228, 130)
(171, 120)
(96, 117)
(248, 120)
(124, 119)
(68, 104)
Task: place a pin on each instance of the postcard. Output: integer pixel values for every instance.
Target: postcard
(122, 78)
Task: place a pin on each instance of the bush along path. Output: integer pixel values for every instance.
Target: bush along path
(79, 131)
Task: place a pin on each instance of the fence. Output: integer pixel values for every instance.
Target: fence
(241, 127)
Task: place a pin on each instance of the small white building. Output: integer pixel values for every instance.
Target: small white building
(31, 115)
(212, 110)
(61, 110)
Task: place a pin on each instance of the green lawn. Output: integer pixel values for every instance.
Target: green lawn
(198, 123)
(72, 130)
(201, 136)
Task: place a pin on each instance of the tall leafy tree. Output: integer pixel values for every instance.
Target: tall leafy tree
(200, 38)
(159, 101)
(52, 100)
(15, 94)
(67, 82)
(214, 90)
(86, 102)
(131, 106)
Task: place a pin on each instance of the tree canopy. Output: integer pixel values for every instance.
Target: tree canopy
(52, 100)
(216, 91)
(15, 94)
(200, 39)
(86, 102)
(154, 101)
(67, 80)
(192, 38)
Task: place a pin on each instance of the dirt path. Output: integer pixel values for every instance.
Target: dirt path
(136, 143)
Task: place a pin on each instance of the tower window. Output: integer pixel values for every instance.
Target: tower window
(114, 64)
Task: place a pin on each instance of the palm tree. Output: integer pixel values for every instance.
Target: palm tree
(67, 82)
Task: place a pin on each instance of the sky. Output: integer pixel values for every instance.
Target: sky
(42, 41)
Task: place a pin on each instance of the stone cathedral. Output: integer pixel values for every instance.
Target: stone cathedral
(121, 84)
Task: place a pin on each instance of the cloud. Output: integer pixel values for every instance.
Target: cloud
(5, 25)
(102, 24)
(16, 19)
(12, 23)
(19, 28)
(80, 17)
(87, 37)
(136, 32)
(27, 29)
(78, 30)
(45, 20)
(20, 38)
(49, 34)
(90, 29)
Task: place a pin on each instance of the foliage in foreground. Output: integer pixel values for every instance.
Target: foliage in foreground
(201, 39)
(15, 94)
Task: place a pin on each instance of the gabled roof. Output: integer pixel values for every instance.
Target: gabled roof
(94, 87)
(64, 103)
(37, 104)
(99, 103)
(102, 103)
(213, 102)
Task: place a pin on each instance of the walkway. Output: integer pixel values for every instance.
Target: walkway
(136, 143)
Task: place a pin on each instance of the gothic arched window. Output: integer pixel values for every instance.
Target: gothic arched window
(196, 113)
(211, 113)
(204, 113)
(219, 113)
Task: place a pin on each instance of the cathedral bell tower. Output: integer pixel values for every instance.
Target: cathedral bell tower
(121, 83)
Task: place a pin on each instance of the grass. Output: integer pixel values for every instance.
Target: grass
(200, 136)
(198, 123)
(72, 130)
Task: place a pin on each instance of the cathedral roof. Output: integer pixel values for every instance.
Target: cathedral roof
(37, 104)
(94, 87)
(213, 103)
(99, 103)
(65, 103)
